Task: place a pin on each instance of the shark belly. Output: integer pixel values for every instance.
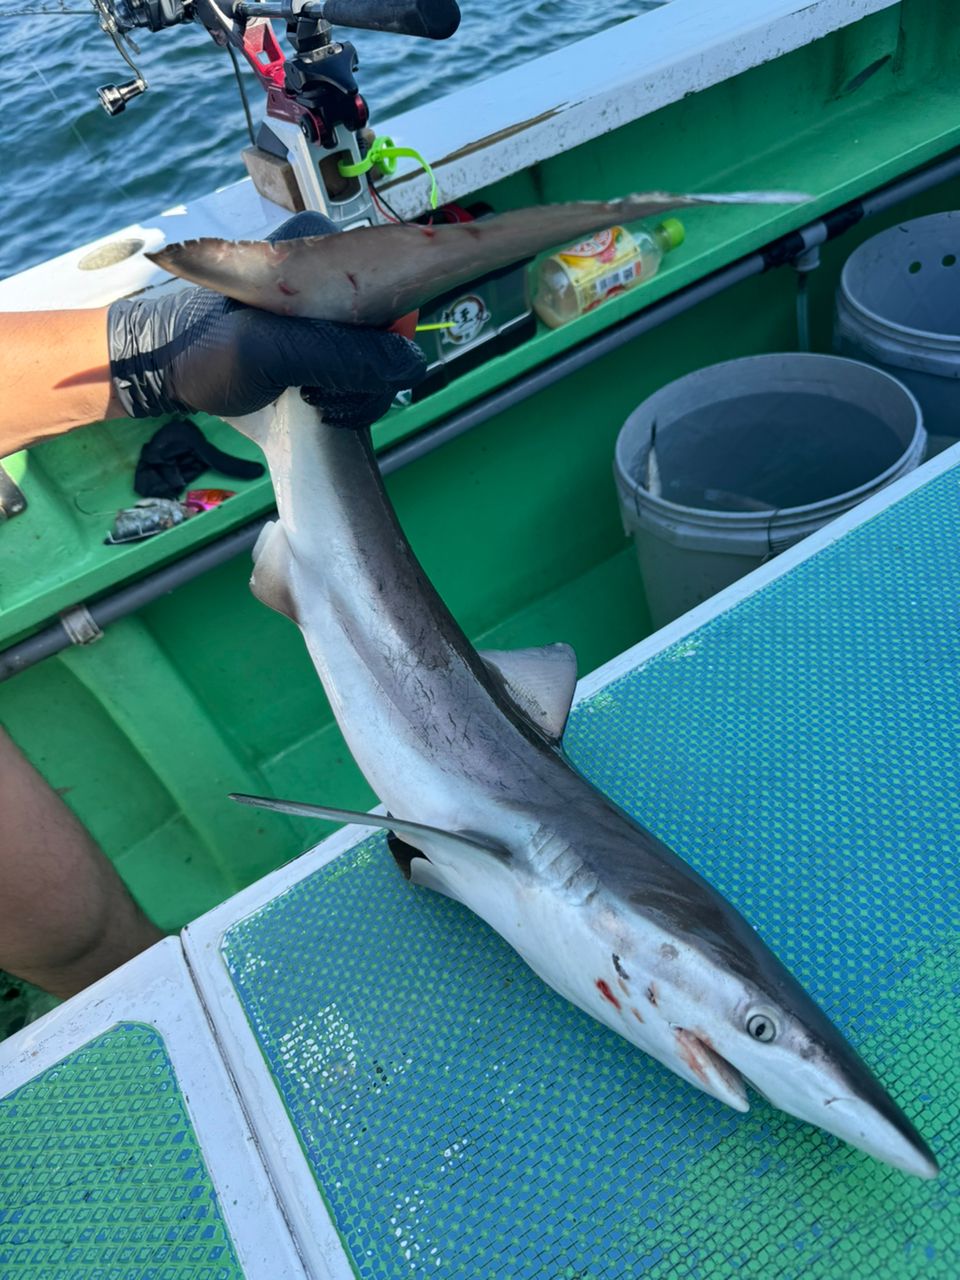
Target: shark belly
(569, 946)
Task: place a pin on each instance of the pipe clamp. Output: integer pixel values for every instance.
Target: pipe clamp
(80, 626)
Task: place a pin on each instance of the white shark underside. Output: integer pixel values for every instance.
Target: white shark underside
(463, 750)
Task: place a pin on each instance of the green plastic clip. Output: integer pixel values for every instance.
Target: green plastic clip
(385, 153)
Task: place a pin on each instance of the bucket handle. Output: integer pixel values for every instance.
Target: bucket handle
(772, 548)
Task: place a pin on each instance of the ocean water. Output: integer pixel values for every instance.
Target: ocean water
(69, 173)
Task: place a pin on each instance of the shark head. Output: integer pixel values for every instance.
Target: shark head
(654, 952)
(781, 1043)
(720, 1010)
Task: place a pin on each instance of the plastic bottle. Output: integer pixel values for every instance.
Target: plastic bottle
(579, 278)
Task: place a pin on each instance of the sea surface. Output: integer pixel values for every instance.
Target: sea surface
(70, 173)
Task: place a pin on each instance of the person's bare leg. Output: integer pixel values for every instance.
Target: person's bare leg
(66, 917)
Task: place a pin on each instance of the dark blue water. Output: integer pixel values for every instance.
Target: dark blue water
(69, 173)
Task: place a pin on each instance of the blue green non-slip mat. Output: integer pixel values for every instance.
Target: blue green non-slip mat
(101, 1172)
(801, 750)
(124, 1152)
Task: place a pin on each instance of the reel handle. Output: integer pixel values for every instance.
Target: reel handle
(431, 19)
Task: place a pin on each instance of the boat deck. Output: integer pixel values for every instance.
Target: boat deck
(424, 1106)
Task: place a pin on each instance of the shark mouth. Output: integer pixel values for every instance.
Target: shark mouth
(709, 1071)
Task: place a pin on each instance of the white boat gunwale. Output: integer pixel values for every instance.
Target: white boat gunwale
(487, 131)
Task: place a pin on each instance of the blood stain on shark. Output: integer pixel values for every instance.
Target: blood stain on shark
(607, 994)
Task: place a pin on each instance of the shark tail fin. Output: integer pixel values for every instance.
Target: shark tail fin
(272, 563)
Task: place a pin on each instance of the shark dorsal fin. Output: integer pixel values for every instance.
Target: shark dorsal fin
(540, 682)
(453, 843)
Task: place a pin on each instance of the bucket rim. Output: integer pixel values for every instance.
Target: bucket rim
(926, 336)
(752, 520)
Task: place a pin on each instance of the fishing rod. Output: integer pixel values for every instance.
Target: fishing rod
(316, 118)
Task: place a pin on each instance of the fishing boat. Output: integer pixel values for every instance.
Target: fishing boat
(146, 683)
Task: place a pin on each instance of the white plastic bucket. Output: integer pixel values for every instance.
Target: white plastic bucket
(898, 307)
(750, 456)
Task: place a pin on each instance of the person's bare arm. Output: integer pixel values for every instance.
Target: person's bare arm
(56, 375)
(66, 918)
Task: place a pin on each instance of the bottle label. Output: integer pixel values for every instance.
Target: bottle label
(621, 278)
(603, 264)
(601, 247)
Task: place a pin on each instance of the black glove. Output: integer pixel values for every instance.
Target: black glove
(197, 350)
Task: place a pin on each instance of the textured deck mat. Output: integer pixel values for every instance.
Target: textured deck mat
(101, 1176)
(801, 750)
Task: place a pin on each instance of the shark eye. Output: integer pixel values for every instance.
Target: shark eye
(761, 1026)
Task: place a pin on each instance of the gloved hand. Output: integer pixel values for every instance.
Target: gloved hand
(197, 350)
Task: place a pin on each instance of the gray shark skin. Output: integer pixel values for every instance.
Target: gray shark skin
(464, 751)
(373, 275)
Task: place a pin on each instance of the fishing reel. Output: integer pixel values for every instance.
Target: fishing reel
(315, 114)
(153, 14)
(118, 18)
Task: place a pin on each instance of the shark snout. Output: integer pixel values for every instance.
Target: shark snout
(866, 1117)
(890, 1138)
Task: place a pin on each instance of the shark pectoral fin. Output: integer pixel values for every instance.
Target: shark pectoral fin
(272, 559)
(540, 682)
(455, 844)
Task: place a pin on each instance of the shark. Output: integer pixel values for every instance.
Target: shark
(464, 750)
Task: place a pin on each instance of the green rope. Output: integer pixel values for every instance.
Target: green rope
(384, 154)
